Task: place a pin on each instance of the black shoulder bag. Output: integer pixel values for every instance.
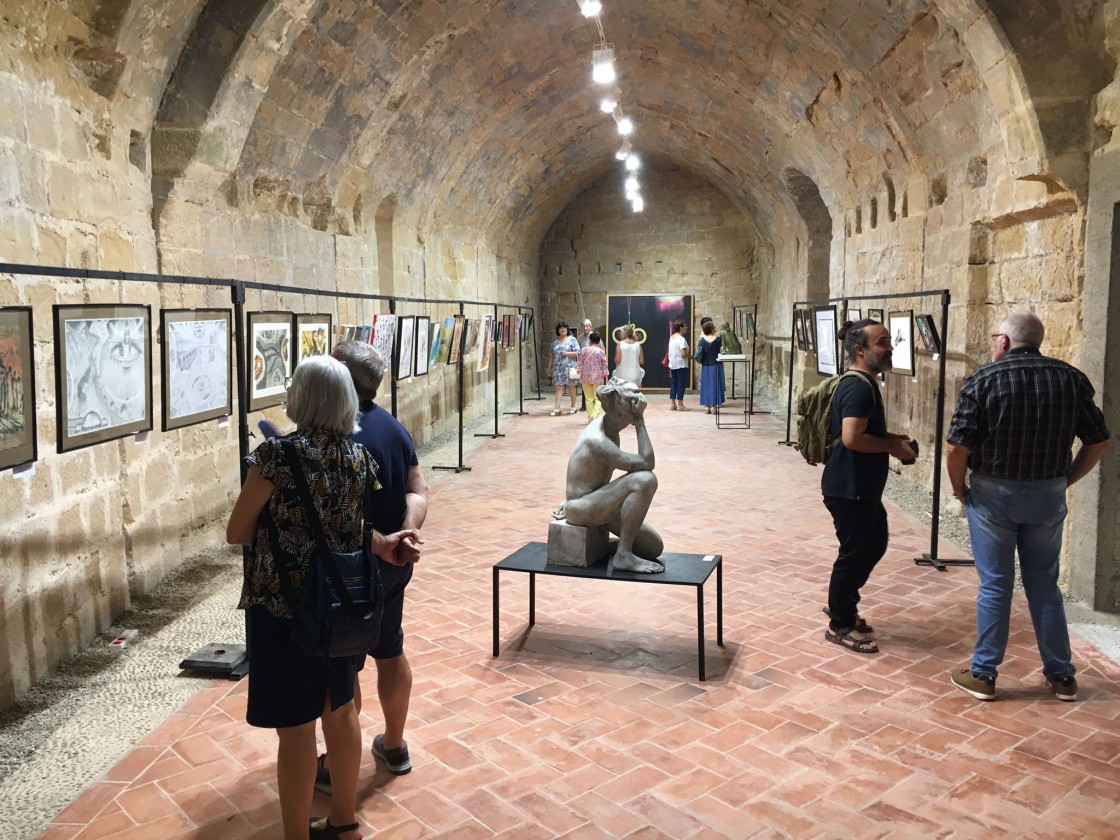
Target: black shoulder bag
(338, 610)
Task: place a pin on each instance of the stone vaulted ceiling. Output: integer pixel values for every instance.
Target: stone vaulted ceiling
(481, 115)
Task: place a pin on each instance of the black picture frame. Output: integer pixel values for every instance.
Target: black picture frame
(824, 326)
(901, 327)
(420, 355)
(269, 357)
(103, 372)
(405, 346)
(810, 331)
(196, 350)
(799, 330)
(927, 332)
(312, 336)
(19, 438)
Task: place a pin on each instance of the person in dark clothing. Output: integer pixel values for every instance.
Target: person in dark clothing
(855, 475)
(1014, 426)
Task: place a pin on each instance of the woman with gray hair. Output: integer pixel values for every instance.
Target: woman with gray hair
(289, 689)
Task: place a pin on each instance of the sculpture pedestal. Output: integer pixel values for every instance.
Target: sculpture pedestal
(574, 545)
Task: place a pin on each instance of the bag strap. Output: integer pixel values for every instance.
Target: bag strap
(289, 451)
(874, 391)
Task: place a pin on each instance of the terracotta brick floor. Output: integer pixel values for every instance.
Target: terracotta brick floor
(593, 724)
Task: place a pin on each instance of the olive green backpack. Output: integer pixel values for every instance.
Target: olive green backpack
(814, 410)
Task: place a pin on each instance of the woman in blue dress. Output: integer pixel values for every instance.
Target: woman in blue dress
(562, 366)
(711, 380)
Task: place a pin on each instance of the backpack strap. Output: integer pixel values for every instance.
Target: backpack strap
(875, 392)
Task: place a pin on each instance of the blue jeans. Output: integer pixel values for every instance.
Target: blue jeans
(678, 381)
(1028, 515)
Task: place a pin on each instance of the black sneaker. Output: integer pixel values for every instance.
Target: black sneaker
(396, 760)
(323, 776)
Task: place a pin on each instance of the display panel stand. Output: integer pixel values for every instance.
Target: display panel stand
(723, 416)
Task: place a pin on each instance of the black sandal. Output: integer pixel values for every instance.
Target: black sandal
(856, 644)
(323, 830)
(860, 626)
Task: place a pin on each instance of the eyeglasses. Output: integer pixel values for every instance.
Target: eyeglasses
(999, 335)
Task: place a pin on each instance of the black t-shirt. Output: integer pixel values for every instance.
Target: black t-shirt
(859, 476)
(392, 448)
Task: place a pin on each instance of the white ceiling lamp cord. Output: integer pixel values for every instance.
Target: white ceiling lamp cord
(603, 73)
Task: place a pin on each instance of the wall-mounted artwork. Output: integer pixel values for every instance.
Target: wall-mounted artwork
(270, 358)
(194, 358)
(103, 372)
(855, 315)
(18, 441)
(799, 329)
(423, 326)
(406, 345)
(927, 331)
(901, 325)
(824, 322)
(487, 330)
(653, 317)
(875, 315)
(384, 336)
(455, 345)
(312, 333)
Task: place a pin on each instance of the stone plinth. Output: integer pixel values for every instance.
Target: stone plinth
(574, 545)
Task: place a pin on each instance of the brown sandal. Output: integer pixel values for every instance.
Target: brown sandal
(846, 639)
(860, 626)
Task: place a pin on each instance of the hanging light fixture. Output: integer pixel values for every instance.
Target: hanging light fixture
(602, 64)
(609, 102)
(633, 164)
(637, 204)
(625, 126)
(590, 8)
(632, 185)
(624, 151)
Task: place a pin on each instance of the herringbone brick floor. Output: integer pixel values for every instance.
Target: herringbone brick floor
(594, 725)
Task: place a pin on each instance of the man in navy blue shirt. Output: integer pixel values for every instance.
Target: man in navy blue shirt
(855, 475)
(400, 504)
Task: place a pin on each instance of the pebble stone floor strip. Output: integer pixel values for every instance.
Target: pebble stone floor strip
(594, 725)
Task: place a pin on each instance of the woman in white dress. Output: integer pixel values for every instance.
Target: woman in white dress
(629, 358)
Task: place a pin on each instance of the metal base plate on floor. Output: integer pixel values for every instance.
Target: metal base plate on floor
(219, 660)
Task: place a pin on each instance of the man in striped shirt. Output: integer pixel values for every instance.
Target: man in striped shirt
(1013, 429)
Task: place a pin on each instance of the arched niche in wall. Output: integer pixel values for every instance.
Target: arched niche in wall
(818, 221)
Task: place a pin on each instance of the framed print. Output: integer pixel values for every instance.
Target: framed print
(470, 335)
(810, 337)
(507, 330)
(487, 331)
(855, 315)
(440, 339)
(455, 345)
(270, 358)
(927, 331)
(19, 443)
(517, 322)
(652, 316)
(364, 334)
(103, 372)
(749, 326)
(824, 323)
(406, 344)
(875, 315)
(423, 326)
(195, 353)
(312, 334)
(799, 330)
(901, 325)
(383, 337)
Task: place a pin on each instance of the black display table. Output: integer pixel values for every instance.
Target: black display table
(680, 570)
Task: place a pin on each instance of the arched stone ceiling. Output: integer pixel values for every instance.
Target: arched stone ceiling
(481, 115)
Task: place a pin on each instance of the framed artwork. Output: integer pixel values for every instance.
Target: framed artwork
(383, 336)
(19, 443)
(270, 358)
(406, 344)
(855, 315)
(495, 329)
(470, 335)
(487, 331)
(455, 345)
(312, 333)
(440, 339)
(364, 334)
(423, 326)
(799, 330)
(103, 372)
(901, 325)
(875, 315)
(195, 353)
(652, 316)
(824, 322)
(750, 326)
(517, 322)
(927, 331)
(810, 336)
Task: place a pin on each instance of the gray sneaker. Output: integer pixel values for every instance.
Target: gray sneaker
(1064, 688)
(396, 761)
(980, 686)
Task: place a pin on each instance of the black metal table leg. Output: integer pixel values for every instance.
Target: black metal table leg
(700, 630)
(495, 619)
(719, 604)
(532, 598)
